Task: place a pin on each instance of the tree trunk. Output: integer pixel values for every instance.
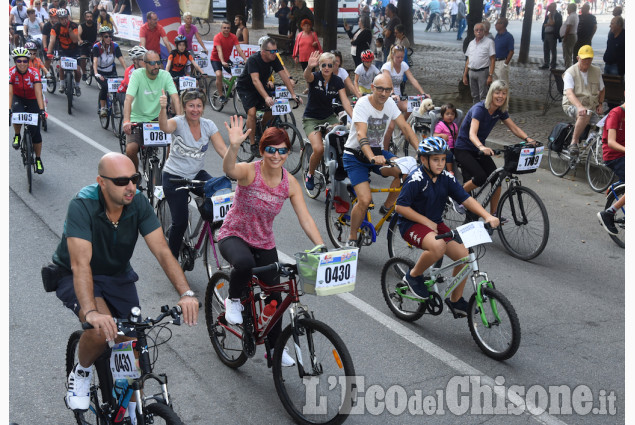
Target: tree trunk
(504, 9)
(329, 27)
(525, 38)
(257, 14)
(234, 7)
(83, 7)
(210, 11)
(404, 11)
(320, 10)
(474, 17)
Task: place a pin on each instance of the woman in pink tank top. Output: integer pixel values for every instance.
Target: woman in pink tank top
(246, 237)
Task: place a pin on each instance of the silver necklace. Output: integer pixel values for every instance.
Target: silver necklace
(114, 223)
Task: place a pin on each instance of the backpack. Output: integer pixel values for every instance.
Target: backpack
(560, 136)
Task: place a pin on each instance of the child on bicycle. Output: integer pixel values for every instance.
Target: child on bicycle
(448, 130)
(365, 72)
(34, 61)
(613, 148)
(420, 207)
(179, 58)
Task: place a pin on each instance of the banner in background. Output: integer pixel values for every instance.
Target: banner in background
(169, 17)
(198, 8)
(248, 50)
(128, 26)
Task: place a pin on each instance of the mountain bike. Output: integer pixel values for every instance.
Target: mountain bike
(598, 174)
(116, 378)
(526, 233)
(201, 236)
(615, 192)
(492, 319)
(322, 360)
(69, 64)
(51, 77)
(294, 160)
(229, 88)
(26, 142)
(334, 138)
(152, 155)
(114, 111)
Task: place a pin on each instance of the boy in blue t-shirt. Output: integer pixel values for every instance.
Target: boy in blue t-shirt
(420, 207)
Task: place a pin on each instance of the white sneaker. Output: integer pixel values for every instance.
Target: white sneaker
(287, 360)
(78, 394)
(62, 87)
(103, 112)
(233, 309)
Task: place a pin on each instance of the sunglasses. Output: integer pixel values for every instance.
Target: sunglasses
(107, 36)
(271, 150)
(152, 63)
(123, 181)
(21, 61)
(273, 52)
(324, 65)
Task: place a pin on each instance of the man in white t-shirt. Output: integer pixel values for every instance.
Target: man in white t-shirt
(569, 35)
(371, 117)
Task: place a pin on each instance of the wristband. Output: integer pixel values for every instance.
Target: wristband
(89, 311)
(525, 139)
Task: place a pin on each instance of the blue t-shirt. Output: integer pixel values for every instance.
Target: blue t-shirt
(503, 43)
(321, 95)
(428, 198)
(486, 124)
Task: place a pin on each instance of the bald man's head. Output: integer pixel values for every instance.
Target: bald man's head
(114, 164)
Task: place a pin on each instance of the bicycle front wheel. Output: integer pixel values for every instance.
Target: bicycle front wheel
(51, 83)
(117, 116)
(495, 329)
(318, 178)
(104, 121)
(29, 158)
(214, 96)
(158, 413)
(69, 79)
(212, 258)
(238, 104)
(319, 388)
(451, 217)
(227, 345)
(526, 233)
(294, 157)
(559, 162)
(338, 226)
(396, 292)
(165, 217)
(598, 175)
(92, 415)
(203, 26)
(620, 218)
(397, 246)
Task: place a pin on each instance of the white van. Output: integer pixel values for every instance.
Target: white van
(346, 11)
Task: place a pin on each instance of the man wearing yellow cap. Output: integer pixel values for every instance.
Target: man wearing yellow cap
(583, 90)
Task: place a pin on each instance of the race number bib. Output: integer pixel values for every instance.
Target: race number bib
(187, 83)
(414, 102)
(530, 159)
(153, 136)
(281, 107)
(113, 84)
(24, 118)
(19, 28)
(44, 84)
(202, 62)
(336, 269)
(282, 92)
(221, 205)
(237, 70)
(123, 364)
(473, 234)
(68, 63)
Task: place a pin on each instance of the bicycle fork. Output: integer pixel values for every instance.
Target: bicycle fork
(517, 207)
(478, 286)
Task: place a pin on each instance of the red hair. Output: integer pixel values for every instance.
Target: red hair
(274, 136)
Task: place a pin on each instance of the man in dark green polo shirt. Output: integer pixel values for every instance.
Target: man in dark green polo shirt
(100, 233)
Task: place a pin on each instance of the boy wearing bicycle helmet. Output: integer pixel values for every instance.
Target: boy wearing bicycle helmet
(180, 57)
(420, 207)
(365, 72)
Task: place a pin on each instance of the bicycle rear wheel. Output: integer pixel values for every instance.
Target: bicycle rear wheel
(451, 216)
(323, 364)
(69, 79)
(527, 231)
(397, 246)
(158, 413)
(497, 330)
(203, 26)
(214, 96)
(294, 158)
(212, 258)
(598, 175)
(559, 162)
(338, 226)
(394, 288)
(238, 104)
(244, 152)
(228, 346)
(620, 218)
(318, 176)
(92, 415)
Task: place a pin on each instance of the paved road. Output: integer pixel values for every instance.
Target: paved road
(573, 333)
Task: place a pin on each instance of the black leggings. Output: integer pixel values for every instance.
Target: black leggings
(103, 85)
(243, 259)
(475, 167)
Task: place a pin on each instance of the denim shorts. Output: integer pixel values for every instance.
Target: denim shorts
(119, 292)
(359, 172)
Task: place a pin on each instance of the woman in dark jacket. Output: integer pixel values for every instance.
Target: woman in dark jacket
(361, 39)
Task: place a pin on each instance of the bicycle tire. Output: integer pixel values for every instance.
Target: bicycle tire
(92, 415)
(598, 175)
(508, 342)
(212, 253)
(294, 157)
(523, 240)
(337, 226)
(451, 217)
(397, 246)
(165, 217)
(238, 103)
(29, 159)
(89, 78)
(415, 18)
(122, 138)
(244, 152)
(117, 116)
(559, 162)
(69, 79)
(620, 218)
(392, 279)
(228, 347)
(214, 97)
(153, 174)
(289, 118)
(158, 410)
(318, 176)
(104, 121)
(51, 84)
(325, 357)
(203, 27)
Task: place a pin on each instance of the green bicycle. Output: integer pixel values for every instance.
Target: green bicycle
(491, 318)
(229, 88)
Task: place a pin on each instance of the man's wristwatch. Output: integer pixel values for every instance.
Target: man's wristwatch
(188, 293)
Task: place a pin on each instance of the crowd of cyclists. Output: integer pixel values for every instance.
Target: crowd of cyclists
(246, 238)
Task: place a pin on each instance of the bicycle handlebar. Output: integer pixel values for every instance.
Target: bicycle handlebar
(134, 322)
(285, 269)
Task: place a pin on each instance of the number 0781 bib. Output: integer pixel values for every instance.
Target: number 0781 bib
(153, 136)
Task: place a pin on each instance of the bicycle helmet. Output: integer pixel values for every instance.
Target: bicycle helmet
(179, 39)
(52, 11)
(20, 52)
(105, 29)
(433, 146)
(367, 56)
(29, 45)
(62, 13)
(137, 52)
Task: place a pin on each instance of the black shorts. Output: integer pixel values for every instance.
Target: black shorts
(69, 53)
(217, 66)
(84, 50)
(475, 167)
(251, 99)
(21, 104)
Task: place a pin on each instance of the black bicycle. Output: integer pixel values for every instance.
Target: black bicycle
(115, 379)
(152, 158)
(26, 143)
